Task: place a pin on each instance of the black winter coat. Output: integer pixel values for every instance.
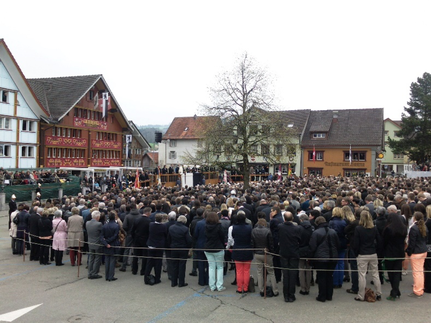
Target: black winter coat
(261, 238)
(289, 236)
(140, 231)
(366, 240)
(179, 236)
(214, 237)
(45, 227)
(417, 243)
(304, 247)
(241, 234)
(324, 243)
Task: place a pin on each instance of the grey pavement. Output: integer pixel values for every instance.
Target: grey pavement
(65, 297)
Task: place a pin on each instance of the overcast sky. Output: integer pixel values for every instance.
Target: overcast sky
(160, 57)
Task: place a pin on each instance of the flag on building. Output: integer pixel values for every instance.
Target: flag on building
(289, 170)
(225, 176)
(279, 172)
(105, 104)
(314, 153)
(350, 155)
(137, 184)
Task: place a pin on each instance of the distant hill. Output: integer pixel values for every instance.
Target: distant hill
(148, 131)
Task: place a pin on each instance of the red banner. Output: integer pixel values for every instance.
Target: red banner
(104, 144)
(92, 124)
(99, 162)
(65, 162)
(62, 141)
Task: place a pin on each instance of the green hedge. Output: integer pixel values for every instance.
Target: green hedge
(48, 190)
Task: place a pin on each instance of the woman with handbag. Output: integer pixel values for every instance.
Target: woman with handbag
(75, 236)
(59, 242)
(417, 251)
(365, 242)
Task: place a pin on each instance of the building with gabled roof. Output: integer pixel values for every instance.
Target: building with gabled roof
(343, 142)
(20, 112)
(182, 139)
(136, 148)
(85, 123)
(150, 161)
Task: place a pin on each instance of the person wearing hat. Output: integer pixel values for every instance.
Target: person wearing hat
(12, 206)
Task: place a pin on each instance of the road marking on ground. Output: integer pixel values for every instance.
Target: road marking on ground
(12, 316)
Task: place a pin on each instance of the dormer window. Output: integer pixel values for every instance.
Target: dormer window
(318, 135)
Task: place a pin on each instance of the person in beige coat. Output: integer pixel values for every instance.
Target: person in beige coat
(75, 236)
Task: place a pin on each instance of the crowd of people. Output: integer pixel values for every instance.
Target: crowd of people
(31, 177)
(328, 231)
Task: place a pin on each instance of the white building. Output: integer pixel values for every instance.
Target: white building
(20, 112)
(180, 140)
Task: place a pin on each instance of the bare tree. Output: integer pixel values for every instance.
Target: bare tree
(249, 124)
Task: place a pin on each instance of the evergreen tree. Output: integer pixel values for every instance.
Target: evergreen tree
(415, 134)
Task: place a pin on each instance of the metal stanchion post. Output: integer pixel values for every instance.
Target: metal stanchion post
(264, 276)
(78, 261)
(23, 247)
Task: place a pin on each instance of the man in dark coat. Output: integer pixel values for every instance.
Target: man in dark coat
(199, 243)
(276, 219)
(265, 208)
(156, 242)
(140, 232)
(290, 240)
(179, 238)
(128, 223)
(33, 224)
(94, 231)
(198, 217)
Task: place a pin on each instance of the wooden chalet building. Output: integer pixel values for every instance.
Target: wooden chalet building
(85, 126)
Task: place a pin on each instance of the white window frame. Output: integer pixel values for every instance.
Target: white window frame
(4, 98)
(172, 154)
(172, 143)
(4, 123)
(5, 151)
(28, 126)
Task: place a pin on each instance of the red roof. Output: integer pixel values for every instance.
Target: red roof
(187, 127)
(153, 156)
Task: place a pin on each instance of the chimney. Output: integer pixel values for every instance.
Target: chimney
(335, 116)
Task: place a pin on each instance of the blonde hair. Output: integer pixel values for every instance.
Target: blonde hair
(348, 214)
(337, 212)
(377, 202)
(223, 207)
(428, 209)
(366, 220)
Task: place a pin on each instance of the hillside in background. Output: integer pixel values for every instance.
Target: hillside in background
(149, 130)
